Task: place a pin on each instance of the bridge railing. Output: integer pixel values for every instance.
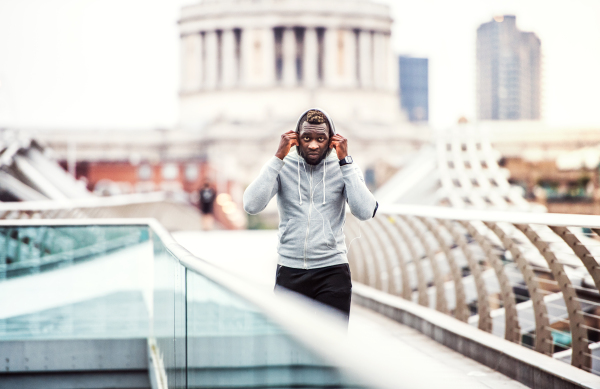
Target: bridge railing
(531, 278)
(147, 307)
(172, 213)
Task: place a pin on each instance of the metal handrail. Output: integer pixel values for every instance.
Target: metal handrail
(87, 202)
(364, 360)
(550, 252)
(467, 214)
(173, 213)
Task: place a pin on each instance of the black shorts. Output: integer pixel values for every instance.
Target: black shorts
(331, 285)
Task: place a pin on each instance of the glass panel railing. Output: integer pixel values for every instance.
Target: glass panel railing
(169, 316)
(34, 249)
(123, 286)
(231, 344)
(74, 282)
(211, 337)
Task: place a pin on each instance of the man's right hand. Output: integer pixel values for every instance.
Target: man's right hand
(288, 140)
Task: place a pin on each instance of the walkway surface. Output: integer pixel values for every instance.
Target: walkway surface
(251, 255)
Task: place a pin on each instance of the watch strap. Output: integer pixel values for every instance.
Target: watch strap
(347, 160)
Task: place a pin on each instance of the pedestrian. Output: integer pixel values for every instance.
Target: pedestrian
(313, 182)
(206, 200)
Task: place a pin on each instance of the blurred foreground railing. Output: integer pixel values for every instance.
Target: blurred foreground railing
(172, 213)
(89, 321)
(531, 278)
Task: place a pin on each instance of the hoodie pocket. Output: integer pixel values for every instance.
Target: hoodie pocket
(321, 240)
(291, 240)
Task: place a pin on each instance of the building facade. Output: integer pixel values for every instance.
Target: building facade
(249, 60)
(414, 88)
(508, 71)
(251, 67)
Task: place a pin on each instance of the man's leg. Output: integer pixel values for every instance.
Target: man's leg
(334, 288)
(296, 280)
(329, 285)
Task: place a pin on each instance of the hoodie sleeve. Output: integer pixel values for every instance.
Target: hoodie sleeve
(258, 194)
(361, 201)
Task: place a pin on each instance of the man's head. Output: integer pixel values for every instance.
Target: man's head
(313, 136)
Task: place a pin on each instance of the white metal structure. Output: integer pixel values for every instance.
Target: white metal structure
(532, 278)
(460, 170)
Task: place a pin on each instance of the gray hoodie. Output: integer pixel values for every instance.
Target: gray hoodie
(311, 201)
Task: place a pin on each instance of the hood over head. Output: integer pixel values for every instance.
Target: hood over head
(327, 117)
(329, 123)
(328, 154)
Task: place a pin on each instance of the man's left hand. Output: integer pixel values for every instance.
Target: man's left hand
(340, 144)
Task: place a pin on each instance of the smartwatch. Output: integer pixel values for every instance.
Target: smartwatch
(346, 161)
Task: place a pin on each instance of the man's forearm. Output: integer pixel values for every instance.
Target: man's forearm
(258, 194)
(361, 201)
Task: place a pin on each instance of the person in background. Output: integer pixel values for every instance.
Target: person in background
(206, 202)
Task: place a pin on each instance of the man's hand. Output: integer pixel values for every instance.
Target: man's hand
(288, 140)
(340, 144)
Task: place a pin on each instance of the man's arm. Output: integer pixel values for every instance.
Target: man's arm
(258, 194)
(360, 199)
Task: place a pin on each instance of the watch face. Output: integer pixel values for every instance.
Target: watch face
(349, 159)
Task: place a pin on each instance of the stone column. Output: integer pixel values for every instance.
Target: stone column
(239, 57)
(366, 63)
(289, 57)
(251, 56)
(183, 70)
(331, 57)
(228, 53)
(248, 65)
(378, 60)
(349, 75)
(191, 70)
(391, 71)
(310, 57)
(202, 58)
(268, 53)
(211, 59)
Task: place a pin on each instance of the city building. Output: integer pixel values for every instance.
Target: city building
(414, 87)
(250, 68)
(508, 71)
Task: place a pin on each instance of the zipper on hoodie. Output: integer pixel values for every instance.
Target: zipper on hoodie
(309, 211)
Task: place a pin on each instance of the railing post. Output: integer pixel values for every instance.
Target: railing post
(381, 274)
(389, 262)
(581, 251)
(440, 295)
(416, 260)
(483, 305)
(366, 275)
(580, 348)
(512, 330)
(461, 312)
(543, 337)
(406, 286)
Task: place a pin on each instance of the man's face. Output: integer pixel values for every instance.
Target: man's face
(314, 142)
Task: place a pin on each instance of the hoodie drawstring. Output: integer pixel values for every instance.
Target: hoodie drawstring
(299, 193)
(324, 173)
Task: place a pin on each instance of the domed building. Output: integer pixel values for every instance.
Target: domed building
(251, 67)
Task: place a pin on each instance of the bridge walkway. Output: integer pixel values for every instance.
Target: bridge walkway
(251, 255)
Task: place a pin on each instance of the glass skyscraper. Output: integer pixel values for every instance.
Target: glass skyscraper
(508, 71)
(414, 87)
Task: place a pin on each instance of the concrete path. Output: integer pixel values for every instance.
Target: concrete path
(251, 255)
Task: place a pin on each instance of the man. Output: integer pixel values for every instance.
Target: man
(313, 184)
(206, 199)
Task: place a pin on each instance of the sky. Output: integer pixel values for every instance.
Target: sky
(96, 64)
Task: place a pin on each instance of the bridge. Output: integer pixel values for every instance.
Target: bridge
(444, 294)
